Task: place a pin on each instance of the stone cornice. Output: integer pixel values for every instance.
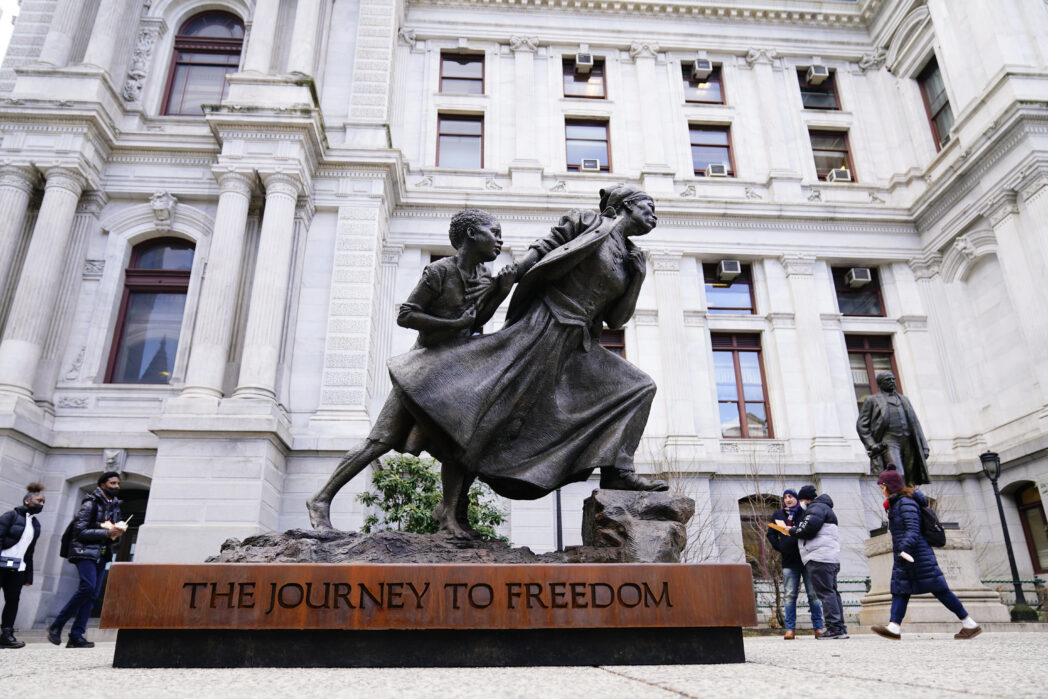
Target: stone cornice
(842, 15)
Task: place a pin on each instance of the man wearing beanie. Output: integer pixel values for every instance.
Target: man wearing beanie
(793, 570)
(915, 569)
(820, 550)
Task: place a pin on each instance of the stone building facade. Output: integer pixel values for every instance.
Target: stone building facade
(210, 210)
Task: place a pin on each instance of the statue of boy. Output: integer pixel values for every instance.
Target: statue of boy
(891, 433)
(453, 300)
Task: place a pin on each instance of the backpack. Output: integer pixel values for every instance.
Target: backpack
(931, 528)
(70, 532)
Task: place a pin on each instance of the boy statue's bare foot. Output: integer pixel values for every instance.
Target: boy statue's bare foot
(319, 512)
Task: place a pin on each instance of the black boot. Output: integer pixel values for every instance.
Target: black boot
(617, 479)
(54, 634)
(8, 640)
(79, 642)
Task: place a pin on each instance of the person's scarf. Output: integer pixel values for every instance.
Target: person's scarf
(791, 514)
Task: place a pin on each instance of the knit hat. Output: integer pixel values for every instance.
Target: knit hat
(891, 479)
(807, 493)
(789, 491)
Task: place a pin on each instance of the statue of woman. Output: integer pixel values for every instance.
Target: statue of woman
(540, 403)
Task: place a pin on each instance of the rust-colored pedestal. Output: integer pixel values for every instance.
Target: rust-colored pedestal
(382, 615)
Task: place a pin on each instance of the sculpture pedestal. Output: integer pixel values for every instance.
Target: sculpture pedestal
(958, 564)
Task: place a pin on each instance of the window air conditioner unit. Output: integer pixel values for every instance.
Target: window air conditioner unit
(839, 174)
(583, 62)
(817, 74)
(858, 276)
(727, 270)
(717, 170)
(701, 69)
(589, 165)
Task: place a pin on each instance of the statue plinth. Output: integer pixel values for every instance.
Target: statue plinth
(958, 564)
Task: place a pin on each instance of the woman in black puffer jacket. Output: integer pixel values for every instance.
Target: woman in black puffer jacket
(916, 569)
(19, 530)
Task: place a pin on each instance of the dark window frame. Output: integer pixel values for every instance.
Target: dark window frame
(461, 117)
(157, 281)
(866, 345)
(847, 152)
(740, 401)
(709, 276)
(614, 341)
(1035, 506)
(802, 79)
(571, 121)
(686, 77)
(839, 287)
(568, 69)
(205, 45)
(933, 66)
(719, 128)
(477, 58)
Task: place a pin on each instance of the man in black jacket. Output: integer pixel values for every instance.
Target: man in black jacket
(90, 551)
(793, 570)
(19, 530)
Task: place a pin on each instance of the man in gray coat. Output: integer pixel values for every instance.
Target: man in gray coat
(891, 433)
(821, 552)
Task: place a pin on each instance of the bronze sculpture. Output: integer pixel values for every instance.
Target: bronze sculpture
(540, 403)
(891, 433)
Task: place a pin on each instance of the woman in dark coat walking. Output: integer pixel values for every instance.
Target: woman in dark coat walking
(19, 530)
(916, 569)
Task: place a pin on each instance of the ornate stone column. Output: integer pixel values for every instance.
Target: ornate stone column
(16, 186)
(304, 37)
(86, 219)
(38, 286)
(59, 40)
(214, 322)
(105, 33)
(266, 311)
(258, 54)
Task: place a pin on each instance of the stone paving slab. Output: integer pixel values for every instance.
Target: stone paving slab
(926, 665)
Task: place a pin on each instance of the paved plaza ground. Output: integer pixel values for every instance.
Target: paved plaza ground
(925, 665)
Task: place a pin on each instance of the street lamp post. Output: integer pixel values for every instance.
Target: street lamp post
(991, 466)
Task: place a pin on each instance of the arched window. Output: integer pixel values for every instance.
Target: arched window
(150, 320)
(207, 48)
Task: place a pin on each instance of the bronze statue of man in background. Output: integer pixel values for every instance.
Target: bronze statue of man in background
(891, 433)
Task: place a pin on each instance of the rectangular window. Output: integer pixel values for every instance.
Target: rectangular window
(936, 103)
(707, 91)
(867, 355)
(821, 96)
(589, 85)
(830, 149)
(460, 141)
(587, 140)
(614, 340)
(735, 296)
(711, 145)
(741, 396)
(461, 74)
(861, 300)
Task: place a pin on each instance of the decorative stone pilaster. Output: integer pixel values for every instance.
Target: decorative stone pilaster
(34, 301)
(149, 31)
(676, 387)
(343, 393)
(644, 55)
(526, 168)
(369, 100)
(386, 311)
(269, 292)
(16, 187)
(214, 323)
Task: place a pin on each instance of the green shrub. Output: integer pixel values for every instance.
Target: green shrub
(406, 489)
